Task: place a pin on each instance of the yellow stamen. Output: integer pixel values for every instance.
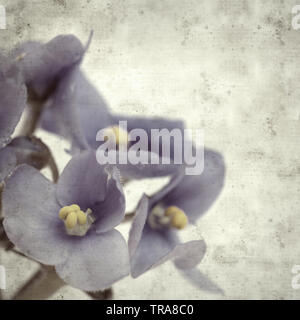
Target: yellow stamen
(72, 215)
(75, 207)
(120, 135)
(71, 220)
(179, 219)
(82, 219)
(64, 212)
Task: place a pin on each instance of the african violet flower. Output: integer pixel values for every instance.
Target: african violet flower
(70, 225)
(154, 236)
(77, 112)
(74, 109)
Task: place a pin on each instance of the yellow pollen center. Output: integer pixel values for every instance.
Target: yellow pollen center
(178, 218)
(121, 135)
(72, 215)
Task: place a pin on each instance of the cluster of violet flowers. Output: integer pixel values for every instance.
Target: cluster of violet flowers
(69, 223)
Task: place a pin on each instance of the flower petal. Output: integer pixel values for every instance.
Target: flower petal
(93, 111)
(31, 216)
(96, 261)
(148, 170)
(157, 247)
(188, 255)
(76, 111)
(149, 124)
(195, 194)
(31, 151)
(83, 182)
(111, 211)
(148, 248)
(43, 63)
(61, 115)
(201, 281)
(138, 224)
(8, 162)
(13, 96)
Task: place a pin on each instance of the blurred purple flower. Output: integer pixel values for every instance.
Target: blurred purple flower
(70, 225)
(154, 236)
(78, 112)
(23, 150)
(43, 65)
(13, 97)
(55, 83)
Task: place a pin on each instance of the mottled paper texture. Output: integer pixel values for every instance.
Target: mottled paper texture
(228, 67)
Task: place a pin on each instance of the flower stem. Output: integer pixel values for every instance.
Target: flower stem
(106, 294)
(128, 217)
(1, 189)
(35, 110)
(42, 285)
(36, 104)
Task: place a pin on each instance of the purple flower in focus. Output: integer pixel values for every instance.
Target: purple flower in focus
(154, 236)
(70, 225)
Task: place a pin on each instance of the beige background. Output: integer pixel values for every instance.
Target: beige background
(229, 67)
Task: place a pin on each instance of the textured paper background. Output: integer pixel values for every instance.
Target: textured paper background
(228, 67)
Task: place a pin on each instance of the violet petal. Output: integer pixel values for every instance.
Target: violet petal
(31, 216)
(95, 261)
(13, 96)
(195, 194)
(147, 170)
(83, 181)
(43, 64)
(111, 211)
(8, 162)
(149, 248)
(201, 281)
(76, 111)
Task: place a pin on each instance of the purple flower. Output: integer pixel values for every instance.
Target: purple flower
(150, 170)
(76, 111)
(70, 225)
(13, 97)
(74, 108)
(154, 236)
(44, 64)
(52, 74)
